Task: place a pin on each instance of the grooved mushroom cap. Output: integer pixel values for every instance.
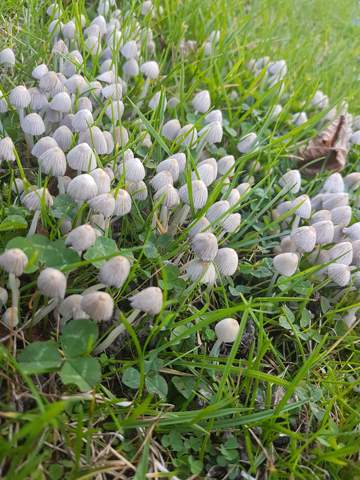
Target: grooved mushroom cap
(291, 181)
(52, 283)
(286, 263)
(43, 144)
(33, 124)
(199, 194)
(61, 102)
(205, 246)
(7, 57)
(227, 330)
(82, 158)
(150, 70)
(201, 101)
(63, 136)
(122, 203)
(115, 271)
(81, 238)
(19, 97)
(82, 188)
(149, 300)
(13, 261)
(7, 149)
(103, 203)
(53, 162)
(227, 261)
(98, 305)
(34, 199)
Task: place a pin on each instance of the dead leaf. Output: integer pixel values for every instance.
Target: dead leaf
(329, 149)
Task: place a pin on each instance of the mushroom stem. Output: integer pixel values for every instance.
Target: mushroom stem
(61, 185)
(295, 223)
(15, 293)
(34, 223)
(113, 335)
(179, 219)
(214, 352)
(272, 283)
(29, 141)
(21, 114)
(145, 89)
(164, 217)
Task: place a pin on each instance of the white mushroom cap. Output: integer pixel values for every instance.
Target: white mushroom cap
(53, 162)
(199, 194)
(352, 180)
(286, 263)
(133, 169)
(217, 210)
(98, 305)
(226, 165)
(43, 144)
(212, 133)
(115, 271)
(227, 330)
(82, 158)
(200, 225)
(113, 91)
(242, 188)
(205, 246)
(33, 124)
(291, 181)
(233, 197)
(49, 82)
(303, 205)
(131, 68)
(341, 253)
(13, 261)
(84, 103)
(75, 84)
(171, 165)
(149, 300)
(170, 129)
(3, 296)
(70, 308)
(115, 110)
(82, 188)
(304, 238)
(155, 100)
(180, 157)
(334, 184)
(120, 135)
(7, 149)
(7, 57)
(247, 143)
(63, 136)
(34, 199)
(320, 216)
(82, 120)
(94, 137)
(169, 195)
(227, 261)
(334, 200)
(353, 232)
(11, 317)
(19, 97)
(81, 238)
(339, 274)
(231, 223)
(61, 102)
(150, 69)
(324, 231)
(39, 100)
(206, 173)
(201, 101)
(109, 142)
(103, 203)
(52, 283)
(102, 180)
(341, 215)
(138, 190)
(130, 49)
(214, 116)
(122, 203)
(68, 30)
(199, 271)
(188, 135)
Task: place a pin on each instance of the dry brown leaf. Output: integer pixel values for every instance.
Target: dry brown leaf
(329, 149)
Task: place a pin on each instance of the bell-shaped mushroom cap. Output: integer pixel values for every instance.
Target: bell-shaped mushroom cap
(35, 199)
(353, 232)
(82, 158)
(82, 188)
(200, 271)
(70, 308)
(226, 165)
(120, 135)
(52, 283)
(113, 91)
(53, 162)
(341, 253)
(352, 180)
(98, 305)
(7, 57)
(94, 137)
(334, 184)
(304, 238)
(63, 136)
(180, 157)
(170, 129)
(13, 261)
(291, 181)
(102, 180)
(170, 165)
(131, 68)
(150, 70)
(103, 203)
(49, 82)
(227, 261)
(212, 133)
(81, 238)
(129, 49)
(286, 263)
(205, 246)
(324, 232)
(32, 124)
(61, 102)
(341, 215)
(202, 102)
(133, 169)
(149, 300)
(115, 110)
(155, 101)
(109, 142)
(217, 211)
(206, 173)
(320, 216)
(138, 190)
(68, 30)
(7, 148)
(84, 103)
(76, 84)
(169, 196)
(43, 144)
(227, 330)
(199, 194)
(161, 179)
(214, 116)
(202, 224)
(303, 205)
(82, 120)
(339, 274)
(115, 271)
(122, 203)
(188, 135)
(334, 200)
(247, 143)
(19, 97)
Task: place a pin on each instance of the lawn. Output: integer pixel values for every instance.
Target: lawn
(170, 306)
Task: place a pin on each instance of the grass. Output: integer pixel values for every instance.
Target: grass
(282, 401)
